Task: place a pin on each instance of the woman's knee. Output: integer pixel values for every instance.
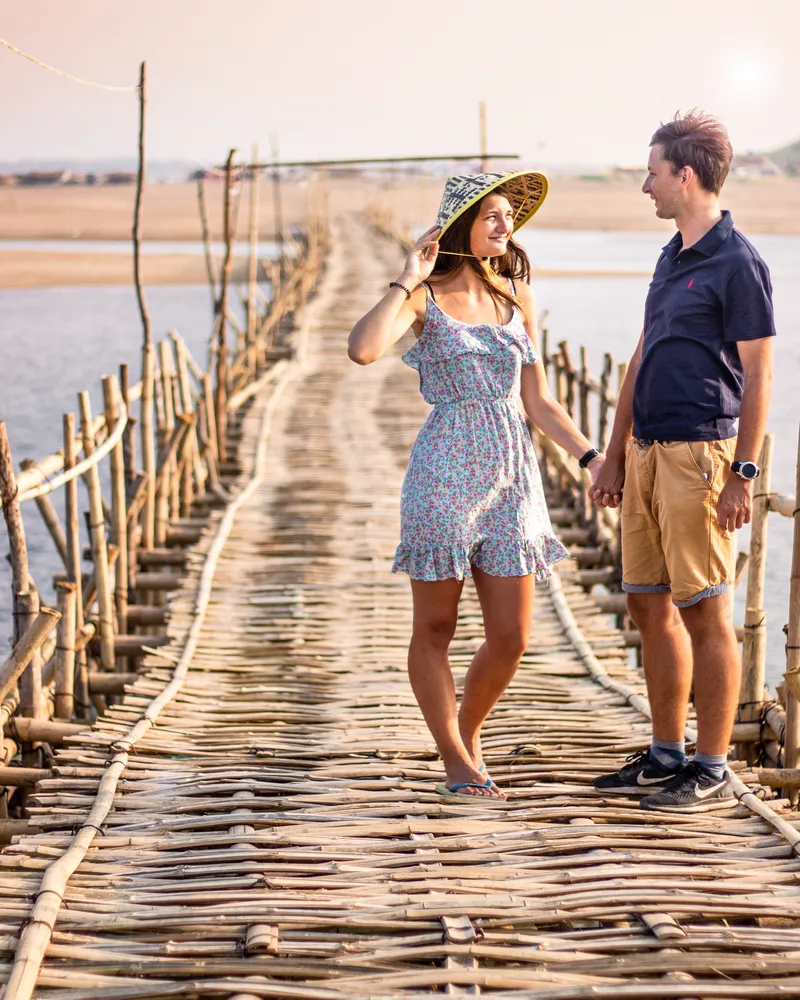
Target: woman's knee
(507, 644)
(435, 630)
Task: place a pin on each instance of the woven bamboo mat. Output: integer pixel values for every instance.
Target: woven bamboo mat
(277, 834)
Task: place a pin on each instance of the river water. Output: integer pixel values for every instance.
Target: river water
(56, 341)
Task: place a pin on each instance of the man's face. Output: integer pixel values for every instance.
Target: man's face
(664, 187)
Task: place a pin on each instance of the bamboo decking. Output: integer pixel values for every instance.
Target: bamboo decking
(275, 832)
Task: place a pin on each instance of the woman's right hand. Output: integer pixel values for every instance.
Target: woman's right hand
(421, 258)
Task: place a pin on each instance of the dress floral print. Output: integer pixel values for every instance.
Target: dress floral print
(473, 494)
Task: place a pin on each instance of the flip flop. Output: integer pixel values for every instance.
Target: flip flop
(456, 789)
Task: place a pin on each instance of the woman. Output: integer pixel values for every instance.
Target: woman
(472, 501)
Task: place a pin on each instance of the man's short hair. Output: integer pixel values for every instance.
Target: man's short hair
(699, 141)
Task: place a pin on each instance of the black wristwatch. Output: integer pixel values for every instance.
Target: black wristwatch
(590, 455)
(746, 470)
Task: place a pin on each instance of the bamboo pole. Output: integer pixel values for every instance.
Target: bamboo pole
(222, 320)
(137, 214)
(211, 268)
(97, 528)
(792, 675)
(148, 445)
(26, 648)
(751, 691)
(252, 354)
(74, 574)
(277, 206)
(194, 475)
(583, 388)
(119, 513)
(65, 651)
(26, 611)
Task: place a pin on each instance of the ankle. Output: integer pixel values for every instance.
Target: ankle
(667, 753)
(712, 763)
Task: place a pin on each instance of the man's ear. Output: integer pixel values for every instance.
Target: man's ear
(687, 175)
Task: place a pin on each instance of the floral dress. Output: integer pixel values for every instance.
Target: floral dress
(472, 494)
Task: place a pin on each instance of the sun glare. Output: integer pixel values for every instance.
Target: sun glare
(748, 76)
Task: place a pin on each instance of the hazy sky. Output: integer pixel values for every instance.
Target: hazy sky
(575, 81)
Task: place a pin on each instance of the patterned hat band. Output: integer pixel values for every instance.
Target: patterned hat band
(525, 190)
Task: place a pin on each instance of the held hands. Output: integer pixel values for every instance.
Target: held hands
(735, 505)
(421, 258)
(608, 479)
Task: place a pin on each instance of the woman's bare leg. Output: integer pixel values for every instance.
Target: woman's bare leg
(435, 617)
(507, 605)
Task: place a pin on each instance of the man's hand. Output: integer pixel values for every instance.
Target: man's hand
(608, 479)
(735, 505)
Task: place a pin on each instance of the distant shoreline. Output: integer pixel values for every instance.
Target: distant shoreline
(171, 214)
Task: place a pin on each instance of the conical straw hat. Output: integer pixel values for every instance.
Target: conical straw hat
(526, 190)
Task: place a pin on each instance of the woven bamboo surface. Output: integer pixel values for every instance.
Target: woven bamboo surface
(277, 834)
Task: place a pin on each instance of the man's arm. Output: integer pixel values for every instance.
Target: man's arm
(734, 507)
(607, 488)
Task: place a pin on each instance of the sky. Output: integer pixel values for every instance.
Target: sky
(575, 82)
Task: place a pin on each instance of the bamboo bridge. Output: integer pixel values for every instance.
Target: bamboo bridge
(241, 803)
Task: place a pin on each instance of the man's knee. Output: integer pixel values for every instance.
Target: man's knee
(709, 616)
(653, 612)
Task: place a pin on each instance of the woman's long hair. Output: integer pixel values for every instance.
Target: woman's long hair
(513, 264)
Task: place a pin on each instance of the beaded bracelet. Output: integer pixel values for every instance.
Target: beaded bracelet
(396, 284)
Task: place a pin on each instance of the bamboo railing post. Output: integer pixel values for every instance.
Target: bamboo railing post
(252, 354)
(129, 436)
(792, 675)
(569, 377)
(754, 651)
(221, 401)
(119, 511)
(605, 386)
(65, 651)
(210, 414)
(211, 269)
(25, 597)
(167, 473)
(74, 574)
(622, 371)
(278, 207)
(583, 385)
(98, 538)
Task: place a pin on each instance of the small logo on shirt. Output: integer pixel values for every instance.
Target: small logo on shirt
(691, 282)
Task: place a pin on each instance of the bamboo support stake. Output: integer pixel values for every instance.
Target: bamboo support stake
(137, 214)
(50, 517)
(792, 675)
(119, 513)
(97, 527)
(129, 438)
(74, 575)
(194, 476)
(252, 354)
(605, 383)
(148, 445)
(751, 691)
(65, 651)
(569, 376)
(26, 611)
(222, 320)
(168, 468)
(277, 206)
(210, 414)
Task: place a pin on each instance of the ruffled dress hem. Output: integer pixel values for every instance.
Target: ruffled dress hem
(438, 562)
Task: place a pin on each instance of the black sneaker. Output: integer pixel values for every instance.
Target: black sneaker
(642, 776)
(693, 790)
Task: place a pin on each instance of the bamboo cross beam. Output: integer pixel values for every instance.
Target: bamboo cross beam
(26, 647)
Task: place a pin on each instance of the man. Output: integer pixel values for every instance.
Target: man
(685, 476)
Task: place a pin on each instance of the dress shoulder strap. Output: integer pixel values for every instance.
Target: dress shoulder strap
(428, 290)
(512, 286)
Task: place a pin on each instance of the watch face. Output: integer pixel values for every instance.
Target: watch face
(748, 470)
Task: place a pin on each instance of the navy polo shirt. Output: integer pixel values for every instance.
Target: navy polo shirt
(701, 302)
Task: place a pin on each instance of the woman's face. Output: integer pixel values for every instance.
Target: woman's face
(492, 227)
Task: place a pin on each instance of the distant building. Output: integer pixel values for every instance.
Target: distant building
(8, 180)
(118, 177)
(44, 178)
(754, 165)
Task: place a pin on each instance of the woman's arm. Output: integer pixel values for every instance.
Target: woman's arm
(385, 323)
(549, 416)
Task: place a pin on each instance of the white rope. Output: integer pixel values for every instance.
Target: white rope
(59, 72)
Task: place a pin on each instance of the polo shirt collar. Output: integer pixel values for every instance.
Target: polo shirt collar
(709, 243)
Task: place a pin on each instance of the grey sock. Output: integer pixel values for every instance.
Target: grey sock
(712, 763)
(671, 755)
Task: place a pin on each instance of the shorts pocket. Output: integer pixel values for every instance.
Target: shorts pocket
(701, 459)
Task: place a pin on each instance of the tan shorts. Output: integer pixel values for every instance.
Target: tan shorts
(671, 539)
